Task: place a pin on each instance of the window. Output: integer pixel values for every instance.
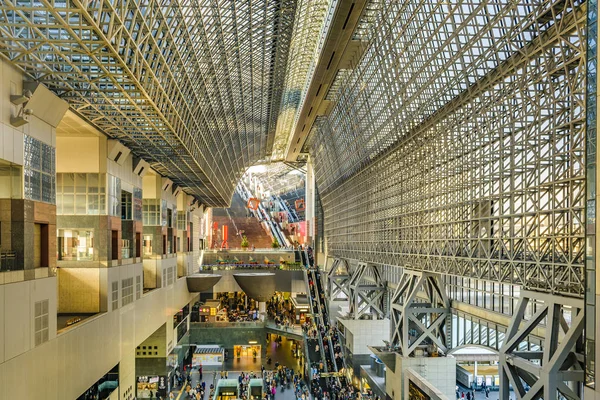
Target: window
(38, 170)
(137, 204)
(41, 322)
(114, 196)
(182, 218)
(10, 181)
(168, 276)
(126, 205)
(115, 295)
(171, 276)
(125, 249)
(138, 287)
(151, 212)
(75, 244)
(126, 291)
(80, 194)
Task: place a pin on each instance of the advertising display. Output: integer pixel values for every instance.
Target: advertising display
(207, 355)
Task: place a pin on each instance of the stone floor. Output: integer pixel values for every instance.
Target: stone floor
(281, 354)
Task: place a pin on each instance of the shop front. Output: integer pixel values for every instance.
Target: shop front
(247, 351)
(149, 387)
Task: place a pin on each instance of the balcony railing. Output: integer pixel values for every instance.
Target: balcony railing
(8, 261)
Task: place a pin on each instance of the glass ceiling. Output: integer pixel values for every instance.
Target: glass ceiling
(195, 87)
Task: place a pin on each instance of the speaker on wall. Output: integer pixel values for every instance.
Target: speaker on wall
(176, 190)
(166, 184)
(140, 167)
(117, 152)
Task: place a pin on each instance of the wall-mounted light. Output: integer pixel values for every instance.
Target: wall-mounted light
(18, 99)
(20, 119)
(21, 100)
(252, 342)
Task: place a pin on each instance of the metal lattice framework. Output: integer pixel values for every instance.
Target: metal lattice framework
(303, 51)
(557, 369)
(338, 280)
(415, 322)
(457, 144)
(367, 296)
(193, 86)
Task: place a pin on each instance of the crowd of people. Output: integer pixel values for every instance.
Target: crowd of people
(283, 378)
(281, 311)
(331, 389)
(239, 307)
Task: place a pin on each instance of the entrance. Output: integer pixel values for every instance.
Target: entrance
(247, 351)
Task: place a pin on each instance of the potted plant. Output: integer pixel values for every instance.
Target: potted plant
(275, 244)
(245, 243)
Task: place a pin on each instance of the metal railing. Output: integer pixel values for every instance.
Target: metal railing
(8, 261)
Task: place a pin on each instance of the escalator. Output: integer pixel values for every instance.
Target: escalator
(335, 364)
(263, 216)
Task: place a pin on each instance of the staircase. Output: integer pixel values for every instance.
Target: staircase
(236, 217)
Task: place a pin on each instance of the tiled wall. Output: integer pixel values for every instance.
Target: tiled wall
(366, 333)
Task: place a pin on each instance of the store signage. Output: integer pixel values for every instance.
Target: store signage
(162, 383)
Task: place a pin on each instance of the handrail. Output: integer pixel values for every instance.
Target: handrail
(275, 231)
(322, 348)
(7, 261)
(329, 336)
(331, 351)
(307, 352)
(231, 267)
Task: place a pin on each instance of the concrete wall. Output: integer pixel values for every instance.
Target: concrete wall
(11, 138)
(227, 337)
(365, 333)
(73, 360)
(440, 372)
(90, 155)
(285, 281)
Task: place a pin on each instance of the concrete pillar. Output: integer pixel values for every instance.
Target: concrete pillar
(309, 202)
(262, 310)
(475, 374)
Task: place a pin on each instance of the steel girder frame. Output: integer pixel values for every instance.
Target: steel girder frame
(457, 144)
(556, 369)
(367, 295)
(338, 280)
(420, 320)
(193, 86)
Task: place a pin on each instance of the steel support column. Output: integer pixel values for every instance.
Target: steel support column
(338, 280)
(558, 368)
(420, 309)
(365, 295)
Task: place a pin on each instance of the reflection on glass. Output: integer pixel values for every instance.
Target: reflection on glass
(147, 245)
(75, 245)
(125, 248)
